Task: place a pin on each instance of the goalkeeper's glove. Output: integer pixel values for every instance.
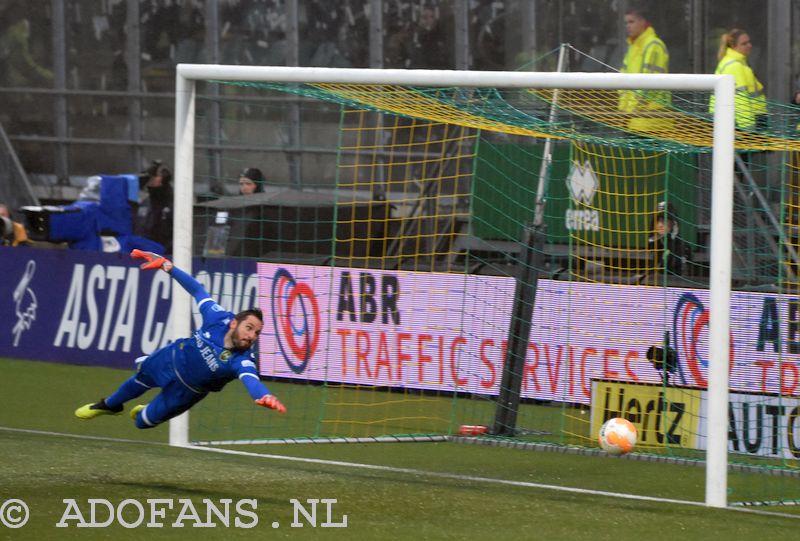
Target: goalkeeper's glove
(269, 401)
(154, 261)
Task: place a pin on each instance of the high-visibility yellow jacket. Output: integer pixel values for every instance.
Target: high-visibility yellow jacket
(646, 54)
(750, 101)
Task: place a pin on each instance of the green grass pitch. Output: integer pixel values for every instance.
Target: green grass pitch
(388, 491)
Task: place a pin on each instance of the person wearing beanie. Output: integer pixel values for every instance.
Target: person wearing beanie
(251, 181)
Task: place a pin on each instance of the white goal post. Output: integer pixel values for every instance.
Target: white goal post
(722, 87)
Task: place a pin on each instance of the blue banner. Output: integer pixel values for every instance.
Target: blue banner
(95, 308)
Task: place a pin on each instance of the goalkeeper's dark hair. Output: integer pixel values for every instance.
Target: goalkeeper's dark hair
(255, 312)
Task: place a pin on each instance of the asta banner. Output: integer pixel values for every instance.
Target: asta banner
(94, 308)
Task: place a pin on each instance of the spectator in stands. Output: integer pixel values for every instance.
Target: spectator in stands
(396, 45)
(155, 212)
(18, 67)
(422, 44)
(646, 54)
(11, 233)
(429, 46)
(251, 181)
(751, 104)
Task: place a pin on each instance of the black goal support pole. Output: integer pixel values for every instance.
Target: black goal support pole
(531, 260)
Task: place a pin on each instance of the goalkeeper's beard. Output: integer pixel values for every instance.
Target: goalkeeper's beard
(239, 343)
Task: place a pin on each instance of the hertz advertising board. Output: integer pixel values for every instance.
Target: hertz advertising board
(758, 424)
(662, 415)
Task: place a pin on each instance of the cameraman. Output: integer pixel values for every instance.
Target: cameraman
(154, 217)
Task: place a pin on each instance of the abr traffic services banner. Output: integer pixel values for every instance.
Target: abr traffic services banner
(386, 328)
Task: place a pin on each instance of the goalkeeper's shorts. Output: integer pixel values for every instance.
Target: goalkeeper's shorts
(175, 397)
(173, 400)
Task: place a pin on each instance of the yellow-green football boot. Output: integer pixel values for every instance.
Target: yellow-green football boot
(135, 410)
(90, 411)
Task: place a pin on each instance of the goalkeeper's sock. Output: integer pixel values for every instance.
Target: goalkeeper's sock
(139, 416)
(132, 388)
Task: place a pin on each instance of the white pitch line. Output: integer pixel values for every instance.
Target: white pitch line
(78, 436)
(455, 476)
(410, 471)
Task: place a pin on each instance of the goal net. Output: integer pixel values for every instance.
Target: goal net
(516, 255)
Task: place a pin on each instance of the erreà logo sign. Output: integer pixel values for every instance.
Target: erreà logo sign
(582, 183)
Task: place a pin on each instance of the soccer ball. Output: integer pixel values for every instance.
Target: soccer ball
(617, 436)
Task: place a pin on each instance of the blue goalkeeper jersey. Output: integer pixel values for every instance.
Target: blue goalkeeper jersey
(202, 362)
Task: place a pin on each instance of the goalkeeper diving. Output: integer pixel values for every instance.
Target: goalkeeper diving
(186, 370)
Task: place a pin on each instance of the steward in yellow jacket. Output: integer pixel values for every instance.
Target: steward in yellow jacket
(750, 101)
(646, 54)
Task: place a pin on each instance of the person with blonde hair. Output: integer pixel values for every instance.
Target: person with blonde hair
(750, 103)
